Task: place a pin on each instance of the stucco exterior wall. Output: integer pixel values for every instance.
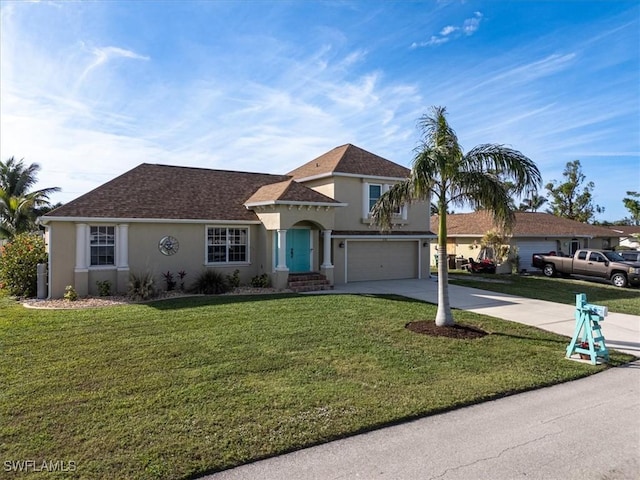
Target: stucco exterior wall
(350, 190)
(62, 248)
(144, 256)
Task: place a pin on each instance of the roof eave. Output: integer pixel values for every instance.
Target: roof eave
(352, 175)
(294, 203)
(46, 220)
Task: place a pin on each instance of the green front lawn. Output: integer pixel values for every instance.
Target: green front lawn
(178, 388)
(559, 290)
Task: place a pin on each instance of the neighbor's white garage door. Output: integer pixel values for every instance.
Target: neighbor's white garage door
(380, 260)
(526, 249)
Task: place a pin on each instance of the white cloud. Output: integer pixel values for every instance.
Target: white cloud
(448, 30)
(104, 54)
(469, 27)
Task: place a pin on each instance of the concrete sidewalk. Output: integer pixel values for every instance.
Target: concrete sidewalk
(586, 429)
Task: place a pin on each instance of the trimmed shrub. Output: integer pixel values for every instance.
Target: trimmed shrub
(104, 288)
(210, 282)
(234, 280)
(141, 286)
(70, 293)
(19, 261)
(260, 281)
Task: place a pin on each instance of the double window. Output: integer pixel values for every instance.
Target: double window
(227, 245)
(103, 245)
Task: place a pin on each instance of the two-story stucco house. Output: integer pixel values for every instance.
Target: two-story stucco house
(159, 218)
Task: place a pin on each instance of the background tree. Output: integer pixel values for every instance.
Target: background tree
(19, 206)
(633, 205)
(533, 203)
(442, 170)
(567, 198)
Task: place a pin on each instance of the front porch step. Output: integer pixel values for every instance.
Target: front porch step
(308, 282)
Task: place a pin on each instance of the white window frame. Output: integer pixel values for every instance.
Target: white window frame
(227, 244)
(400, 213)
(112, 244)
(369, 203)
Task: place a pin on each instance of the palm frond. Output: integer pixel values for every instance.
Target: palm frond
(390, 202)
(509, 164)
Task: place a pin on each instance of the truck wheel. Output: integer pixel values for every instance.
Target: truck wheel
(549, 270)
(619, 280)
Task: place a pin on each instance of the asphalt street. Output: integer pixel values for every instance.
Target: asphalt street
(586, 429)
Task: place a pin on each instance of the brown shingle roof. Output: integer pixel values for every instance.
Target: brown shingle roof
(528, 224)
(168, 192)
(625, 229)
(350, 159)
(288, 191)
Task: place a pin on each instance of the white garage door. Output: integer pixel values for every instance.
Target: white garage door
(381, 260)
(526, 249)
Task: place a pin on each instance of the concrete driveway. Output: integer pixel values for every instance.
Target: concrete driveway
(586, 429)
(621, 332)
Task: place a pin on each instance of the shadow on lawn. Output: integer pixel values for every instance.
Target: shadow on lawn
(196, 301)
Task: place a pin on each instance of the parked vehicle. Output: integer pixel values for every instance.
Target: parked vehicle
(483, 266)
(630, 255)
(591, 263)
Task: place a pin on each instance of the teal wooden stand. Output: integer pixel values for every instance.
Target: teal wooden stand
(587, 337)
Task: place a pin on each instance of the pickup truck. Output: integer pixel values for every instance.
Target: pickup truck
(590, 263)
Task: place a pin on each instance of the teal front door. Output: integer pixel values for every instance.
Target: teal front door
(299, 250)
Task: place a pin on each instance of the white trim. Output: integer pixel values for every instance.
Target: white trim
(351, 175)
(419, 260)
(83, 255)
(114, 220)
(49, 234)
(295, 202)
(326, 253)
(281, 245)
(385, 237)
(207, 263)
(122, 250)
(88, 247)
(528, 235)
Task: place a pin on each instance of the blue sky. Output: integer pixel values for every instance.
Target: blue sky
(92, 89)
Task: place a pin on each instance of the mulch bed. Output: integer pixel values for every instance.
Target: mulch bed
(464, 332)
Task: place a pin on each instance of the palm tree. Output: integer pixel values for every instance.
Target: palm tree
(18, 206)
(441, 169)
(533, 203)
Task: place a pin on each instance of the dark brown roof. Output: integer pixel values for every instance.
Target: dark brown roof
(376, 233)
(168, 192)
(625, 229)
(528, 224)
(288, 191)
(350, 159)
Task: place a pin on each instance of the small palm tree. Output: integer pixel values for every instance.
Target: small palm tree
(441, 169)
(18, 206)
(533, 203)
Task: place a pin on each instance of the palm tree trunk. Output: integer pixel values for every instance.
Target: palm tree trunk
(444, 316)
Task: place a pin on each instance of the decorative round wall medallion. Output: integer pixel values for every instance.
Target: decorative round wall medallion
(168, 245)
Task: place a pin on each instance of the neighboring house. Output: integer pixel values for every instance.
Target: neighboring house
(159, 218)
(532, 233)
(629, 235)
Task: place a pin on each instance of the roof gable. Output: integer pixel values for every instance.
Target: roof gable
(528, 224)
(349, 159)
(288, 191)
